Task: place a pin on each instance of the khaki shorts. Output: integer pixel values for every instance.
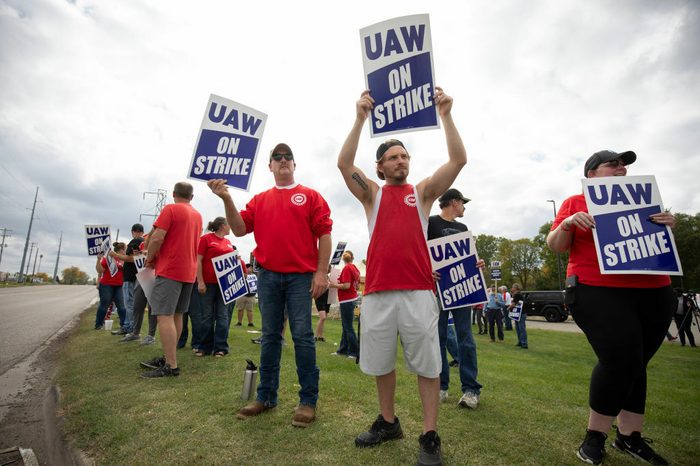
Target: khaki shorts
(170, 297)
(410, 314)
(245, 303)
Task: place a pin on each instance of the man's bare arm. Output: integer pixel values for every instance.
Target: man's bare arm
(357, 182)
(233, 217)
(434, 186)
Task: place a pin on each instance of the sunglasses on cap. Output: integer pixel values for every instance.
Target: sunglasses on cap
(278, 157)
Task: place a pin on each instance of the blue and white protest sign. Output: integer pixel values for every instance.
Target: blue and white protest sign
(626, 240)
(252, 282)
(338, 254)
(228, 143)
(398, 63)
(516, 312)
(229, 274)
(461, 282)
(95, 235)
(140, 261)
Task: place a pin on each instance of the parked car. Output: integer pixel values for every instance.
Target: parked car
(549, 304)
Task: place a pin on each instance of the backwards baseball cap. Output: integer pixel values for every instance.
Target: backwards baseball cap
(383, 147)
(137, 227)
(606, 156)
(279, 147)
(451, 194)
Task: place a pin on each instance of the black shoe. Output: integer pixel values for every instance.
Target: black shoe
(154, 363)
(379, 432)
(638, 446)
(429, 449)
(121, 331)
(238, 324)
(592, 450)
(251, 324)
(164, 371)
(257, 341)
(454, 363)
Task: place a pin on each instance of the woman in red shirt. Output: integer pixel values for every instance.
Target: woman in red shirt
(624, 317)
(348, 283)
(110, 287)
(216, 316)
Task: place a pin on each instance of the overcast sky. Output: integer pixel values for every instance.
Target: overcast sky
(101, 102)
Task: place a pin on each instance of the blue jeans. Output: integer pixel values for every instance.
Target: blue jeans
(216, 319)
(195, 313)
(128, 290)
(348, 341)
(506, 320)
(521, 331)
(466, 349)
(109, 293)
(452, 346)
(275, 292)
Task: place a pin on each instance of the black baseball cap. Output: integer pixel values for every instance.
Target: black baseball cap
(451, 194)
(606, 156)
(137, 227)
(383, 147)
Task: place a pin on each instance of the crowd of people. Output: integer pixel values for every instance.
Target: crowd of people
(292, 227)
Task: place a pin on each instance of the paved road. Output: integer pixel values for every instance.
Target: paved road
(31, 315)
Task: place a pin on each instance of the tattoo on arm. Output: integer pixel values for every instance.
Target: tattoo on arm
(358, 179)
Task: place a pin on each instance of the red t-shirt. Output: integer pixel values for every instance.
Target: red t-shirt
(177, 258)
(107, 278)
(583, 260)
(287, 223)
(351, 275)
(211, 246)
(397, 257)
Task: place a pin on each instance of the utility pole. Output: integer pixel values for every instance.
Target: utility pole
(160, 202)
(34, 268)
(29, 232)
(554, 208)
(38, 270)
(58, 256)
(5, 232)
(31, 250)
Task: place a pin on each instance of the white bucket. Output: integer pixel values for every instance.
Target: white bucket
(108, 324)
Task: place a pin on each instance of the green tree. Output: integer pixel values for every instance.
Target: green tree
(552, 264)
(488, 247)
(521, 259)
(687, 236)
(74, 276)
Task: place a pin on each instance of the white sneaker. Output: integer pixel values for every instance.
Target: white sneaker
(148, 340)
(443, 396)
(469, 400)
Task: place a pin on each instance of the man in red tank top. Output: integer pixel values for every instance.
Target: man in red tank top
(399, 286)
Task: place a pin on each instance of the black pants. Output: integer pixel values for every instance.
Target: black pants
(684, 324)
(625, 327)
(495, 316)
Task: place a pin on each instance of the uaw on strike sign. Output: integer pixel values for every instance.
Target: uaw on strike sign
(626, 240)
(228, 143)
(398, 62)
(461, 282)
(230, 275)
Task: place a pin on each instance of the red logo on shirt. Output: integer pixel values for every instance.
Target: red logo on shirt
(299, 199)
(410, 200)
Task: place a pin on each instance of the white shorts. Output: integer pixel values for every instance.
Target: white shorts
(411, 314)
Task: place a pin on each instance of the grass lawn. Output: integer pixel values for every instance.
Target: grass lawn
(533, 406)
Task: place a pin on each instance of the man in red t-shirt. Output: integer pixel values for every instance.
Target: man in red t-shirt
(292, 228)
(174, 244)
(398, 295)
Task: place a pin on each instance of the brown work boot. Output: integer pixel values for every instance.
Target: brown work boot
(253, 409)
(304, 415)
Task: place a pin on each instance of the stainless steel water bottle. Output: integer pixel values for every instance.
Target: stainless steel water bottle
(250, 379)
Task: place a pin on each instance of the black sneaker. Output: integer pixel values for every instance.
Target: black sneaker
(164, 371)
(154, 363)
(429, 449)
(251, 325)
(592, 450)
(238, 324)
(379, 432)
(638, 446)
